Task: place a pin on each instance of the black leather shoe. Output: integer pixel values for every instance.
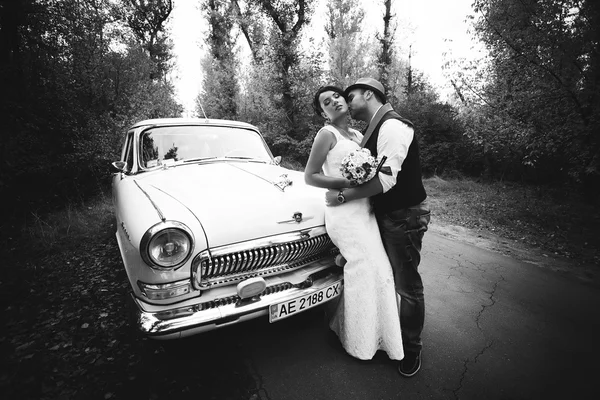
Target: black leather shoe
(410, 364)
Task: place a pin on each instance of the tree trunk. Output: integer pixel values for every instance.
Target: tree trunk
(385, 58)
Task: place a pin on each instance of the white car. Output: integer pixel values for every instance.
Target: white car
(213, 231)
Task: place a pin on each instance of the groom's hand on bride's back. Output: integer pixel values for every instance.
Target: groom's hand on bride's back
(331, 198)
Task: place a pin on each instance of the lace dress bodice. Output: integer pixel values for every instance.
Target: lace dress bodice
(343, 146)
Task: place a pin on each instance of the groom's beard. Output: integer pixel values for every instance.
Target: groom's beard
(357, 114)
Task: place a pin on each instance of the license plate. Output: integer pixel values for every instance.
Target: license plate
(288, 308)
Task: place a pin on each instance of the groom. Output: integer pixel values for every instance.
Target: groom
(398, 199)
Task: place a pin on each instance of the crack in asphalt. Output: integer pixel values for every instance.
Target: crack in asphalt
(458, 268)
(466, 368)
(487, 346)
(260, 393)
(492, 300)
(462, 378)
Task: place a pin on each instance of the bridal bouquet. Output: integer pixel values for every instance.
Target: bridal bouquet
(359, 166)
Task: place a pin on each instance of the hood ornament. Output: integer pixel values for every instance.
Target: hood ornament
(282, 182)
(297, 218)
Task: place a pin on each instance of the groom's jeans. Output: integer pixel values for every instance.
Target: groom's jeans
(402, 234)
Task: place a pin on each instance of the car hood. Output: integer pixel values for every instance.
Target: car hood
(237, 201)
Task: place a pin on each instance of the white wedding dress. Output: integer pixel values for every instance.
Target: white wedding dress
(366, 318)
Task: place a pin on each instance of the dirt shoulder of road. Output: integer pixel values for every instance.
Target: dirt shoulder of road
(550, 227)
(519, 250)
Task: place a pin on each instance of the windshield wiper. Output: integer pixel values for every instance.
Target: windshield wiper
(252, 159)
(198, 159)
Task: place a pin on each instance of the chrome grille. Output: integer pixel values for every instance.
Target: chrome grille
(261, 258)
(256, 259)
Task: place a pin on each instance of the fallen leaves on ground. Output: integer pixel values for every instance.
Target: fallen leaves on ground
(68, 336)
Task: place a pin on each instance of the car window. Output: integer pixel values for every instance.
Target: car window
(180, 143)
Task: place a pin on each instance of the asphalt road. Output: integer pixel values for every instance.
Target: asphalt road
(496, 328)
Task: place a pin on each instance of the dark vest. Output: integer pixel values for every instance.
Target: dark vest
(408, 190)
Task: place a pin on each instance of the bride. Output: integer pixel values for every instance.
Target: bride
(366, 319)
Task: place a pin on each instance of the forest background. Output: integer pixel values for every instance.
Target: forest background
(74, 74)
(512, 156)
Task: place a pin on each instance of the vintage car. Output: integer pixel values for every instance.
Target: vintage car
(213, 231)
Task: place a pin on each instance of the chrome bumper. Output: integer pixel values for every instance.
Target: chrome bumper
(190, 320)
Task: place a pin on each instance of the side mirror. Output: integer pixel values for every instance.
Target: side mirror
(277, 160)
(118, 166)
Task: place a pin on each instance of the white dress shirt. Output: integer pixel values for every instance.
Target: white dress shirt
(394, 140)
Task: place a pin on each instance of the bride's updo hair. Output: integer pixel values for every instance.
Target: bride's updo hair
(317, 104)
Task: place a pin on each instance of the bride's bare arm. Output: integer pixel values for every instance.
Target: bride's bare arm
(324, 141)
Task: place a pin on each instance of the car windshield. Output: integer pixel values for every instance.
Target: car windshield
(196, 143)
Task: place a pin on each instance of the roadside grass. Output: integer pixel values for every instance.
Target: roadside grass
(67, 228)
(556, 220)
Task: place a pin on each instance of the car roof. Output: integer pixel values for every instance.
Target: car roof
(192, 121)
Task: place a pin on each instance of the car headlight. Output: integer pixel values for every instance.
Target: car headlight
(167, 245)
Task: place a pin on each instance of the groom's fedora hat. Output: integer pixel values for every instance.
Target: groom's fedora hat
(369, 84)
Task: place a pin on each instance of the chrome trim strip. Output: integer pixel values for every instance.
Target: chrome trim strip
(282, 182)
(293, 221)
(170, 324)
(160, 214)
(268, 241)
